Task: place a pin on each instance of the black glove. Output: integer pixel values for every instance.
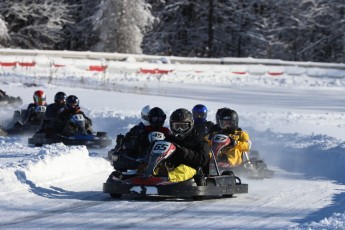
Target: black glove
(180, 152)
(233, 142)
(176, 145)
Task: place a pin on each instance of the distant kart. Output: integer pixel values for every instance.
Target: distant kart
(18, 125)
(6, 100)
(79, 137)
(155, 181)
(251, 167)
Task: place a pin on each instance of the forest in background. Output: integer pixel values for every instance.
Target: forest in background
(292, 30)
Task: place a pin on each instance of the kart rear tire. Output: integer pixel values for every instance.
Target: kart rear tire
(115, 195)
(228, 195)
(198, 198)
(227, 172)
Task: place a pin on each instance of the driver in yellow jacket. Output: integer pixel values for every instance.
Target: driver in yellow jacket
(240, 142)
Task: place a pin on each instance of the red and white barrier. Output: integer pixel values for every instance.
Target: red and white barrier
(109, 64)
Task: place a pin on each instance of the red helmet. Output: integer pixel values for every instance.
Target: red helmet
(40, 97)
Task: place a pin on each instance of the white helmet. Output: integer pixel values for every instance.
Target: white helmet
(145, 115)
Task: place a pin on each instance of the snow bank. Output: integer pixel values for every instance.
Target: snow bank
(45, 166)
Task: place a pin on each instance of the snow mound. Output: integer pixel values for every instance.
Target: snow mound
(45, 166)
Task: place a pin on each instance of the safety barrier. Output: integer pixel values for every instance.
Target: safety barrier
(41, 62)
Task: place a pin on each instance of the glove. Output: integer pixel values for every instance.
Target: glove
(178, 147)
(233, 142)
(180, 152)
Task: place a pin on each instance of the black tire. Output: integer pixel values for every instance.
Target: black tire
(228, 195)
(115, 195)
(198, 198)
(117, 174)
(230, 173)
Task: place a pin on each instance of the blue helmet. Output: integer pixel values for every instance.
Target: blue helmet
(199, 113)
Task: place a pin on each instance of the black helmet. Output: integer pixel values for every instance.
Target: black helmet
(60, 98)
(156, 117)
(199, 113)
(181, 123)
(72, 102)
(228, 119)
(219, 111)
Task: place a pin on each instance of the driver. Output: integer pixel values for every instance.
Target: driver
(240, 141)
(35, 111)
(192, 150)
(72, 108)
(136, 141)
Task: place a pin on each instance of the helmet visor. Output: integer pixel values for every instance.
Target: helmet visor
(180, 126)
(72, 105)
(199, 115)
(156, 119)
(40, 100)
(226, 124)
(60, 101)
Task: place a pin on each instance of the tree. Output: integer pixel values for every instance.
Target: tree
(122, 24)
(4, 37)
(299, 30)
(35, 24)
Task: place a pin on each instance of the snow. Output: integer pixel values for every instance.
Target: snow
(296, 122)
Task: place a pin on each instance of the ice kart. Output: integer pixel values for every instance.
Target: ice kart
(20, 126)
(79, 137)
(122, 159)
(252, 166)
(6, 100)
(154, 181)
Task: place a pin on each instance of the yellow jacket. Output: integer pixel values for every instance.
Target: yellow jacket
(234, 153)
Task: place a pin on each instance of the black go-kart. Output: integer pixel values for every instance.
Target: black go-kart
(79, 137)
(6, 100)
(154, 181)
(252, 165)
(20, 126)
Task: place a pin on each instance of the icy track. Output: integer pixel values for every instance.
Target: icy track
(298, 128)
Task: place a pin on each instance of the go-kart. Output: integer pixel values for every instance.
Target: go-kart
(154, 181)
(252, 165)
(6, 100)
(78, 137)
(23, 124)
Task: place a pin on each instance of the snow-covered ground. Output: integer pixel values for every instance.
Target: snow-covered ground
(296, 122)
